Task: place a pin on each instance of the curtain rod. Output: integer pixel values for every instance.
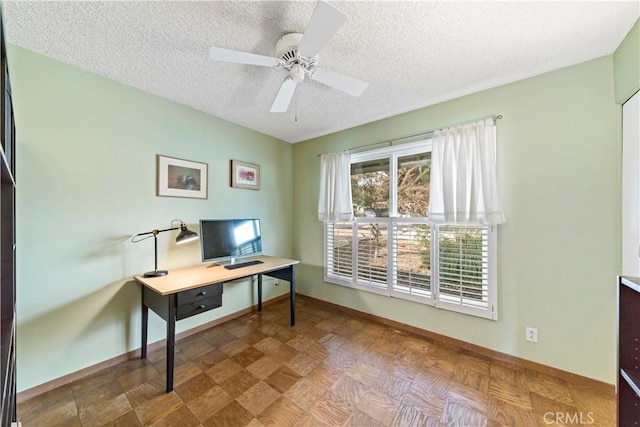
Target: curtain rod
(429, 132)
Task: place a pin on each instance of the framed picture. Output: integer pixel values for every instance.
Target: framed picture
(181, 178)
(245, 175)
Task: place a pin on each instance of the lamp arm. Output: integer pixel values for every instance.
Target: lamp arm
(166, 229)
(149, 233)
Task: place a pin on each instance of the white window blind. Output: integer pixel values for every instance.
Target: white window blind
(465, 269)
(411, 260)
(372, 250)
(339, 252)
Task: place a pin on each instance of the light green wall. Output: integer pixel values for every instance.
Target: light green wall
(558, 170)
(626, 60)
(86, 182)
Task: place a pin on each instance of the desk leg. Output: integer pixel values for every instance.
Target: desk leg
(292, 296)
(171, 340)
(259, 292)
(145, 325)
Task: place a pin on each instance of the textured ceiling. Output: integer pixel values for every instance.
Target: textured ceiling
(413, 54)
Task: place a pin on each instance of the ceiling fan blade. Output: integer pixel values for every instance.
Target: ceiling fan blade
(283, 98)
(237, 57)
(325, 21)
(346, 84)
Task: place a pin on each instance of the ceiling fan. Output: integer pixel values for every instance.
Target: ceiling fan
(298, 55)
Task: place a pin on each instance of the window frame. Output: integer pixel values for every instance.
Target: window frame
(393, 152)
(434, 297)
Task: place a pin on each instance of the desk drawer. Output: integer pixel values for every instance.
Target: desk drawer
(192, 308)
(194, 295)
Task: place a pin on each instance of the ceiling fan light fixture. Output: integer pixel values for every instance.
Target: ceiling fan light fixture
(297, 73)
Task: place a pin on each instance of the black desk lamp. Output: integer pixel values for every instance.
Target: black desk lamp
(184, 236)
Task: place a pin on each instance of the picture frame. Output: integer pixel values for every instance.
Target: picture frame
(181, 178)
(245, 175)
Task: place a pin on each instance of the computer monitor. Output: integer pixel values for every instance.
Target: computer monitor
(227, 239)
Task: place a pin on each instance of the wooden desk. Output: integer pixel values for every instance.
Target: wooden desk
(189, 291)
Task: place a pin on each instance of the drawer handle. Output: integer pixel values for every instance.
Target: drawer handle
(203, 293)
(201, 306)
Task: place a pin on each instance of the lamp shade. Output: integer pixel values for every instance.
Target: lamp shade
(185, 235)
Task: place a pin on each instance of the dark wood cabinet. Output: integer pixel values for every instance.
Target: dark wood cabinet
(7, 243)
(628, 351)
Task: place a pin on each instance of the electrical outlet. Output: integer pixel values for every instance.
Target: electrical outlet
(531, 335)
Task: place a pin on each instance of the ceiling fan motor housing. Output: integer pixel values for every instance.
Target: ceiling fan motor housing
(287, 46)
(287, 52)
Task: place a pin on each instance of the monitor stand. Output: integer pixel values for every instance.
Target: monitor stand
(229, 261)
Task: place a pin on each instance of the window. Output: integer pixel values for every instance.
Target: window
(391, 248)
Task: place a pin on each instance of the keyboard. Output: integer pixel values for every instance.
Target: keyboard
(242, 264)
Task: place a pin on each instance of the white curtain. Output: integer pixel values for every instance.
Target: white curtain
(335, 202)
(463, 188)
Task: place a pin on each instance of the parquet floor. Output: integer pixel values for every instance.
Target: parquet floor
(330, 369)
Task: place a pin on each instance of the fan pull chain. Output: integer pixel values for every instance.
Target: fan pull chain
(295, 117)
